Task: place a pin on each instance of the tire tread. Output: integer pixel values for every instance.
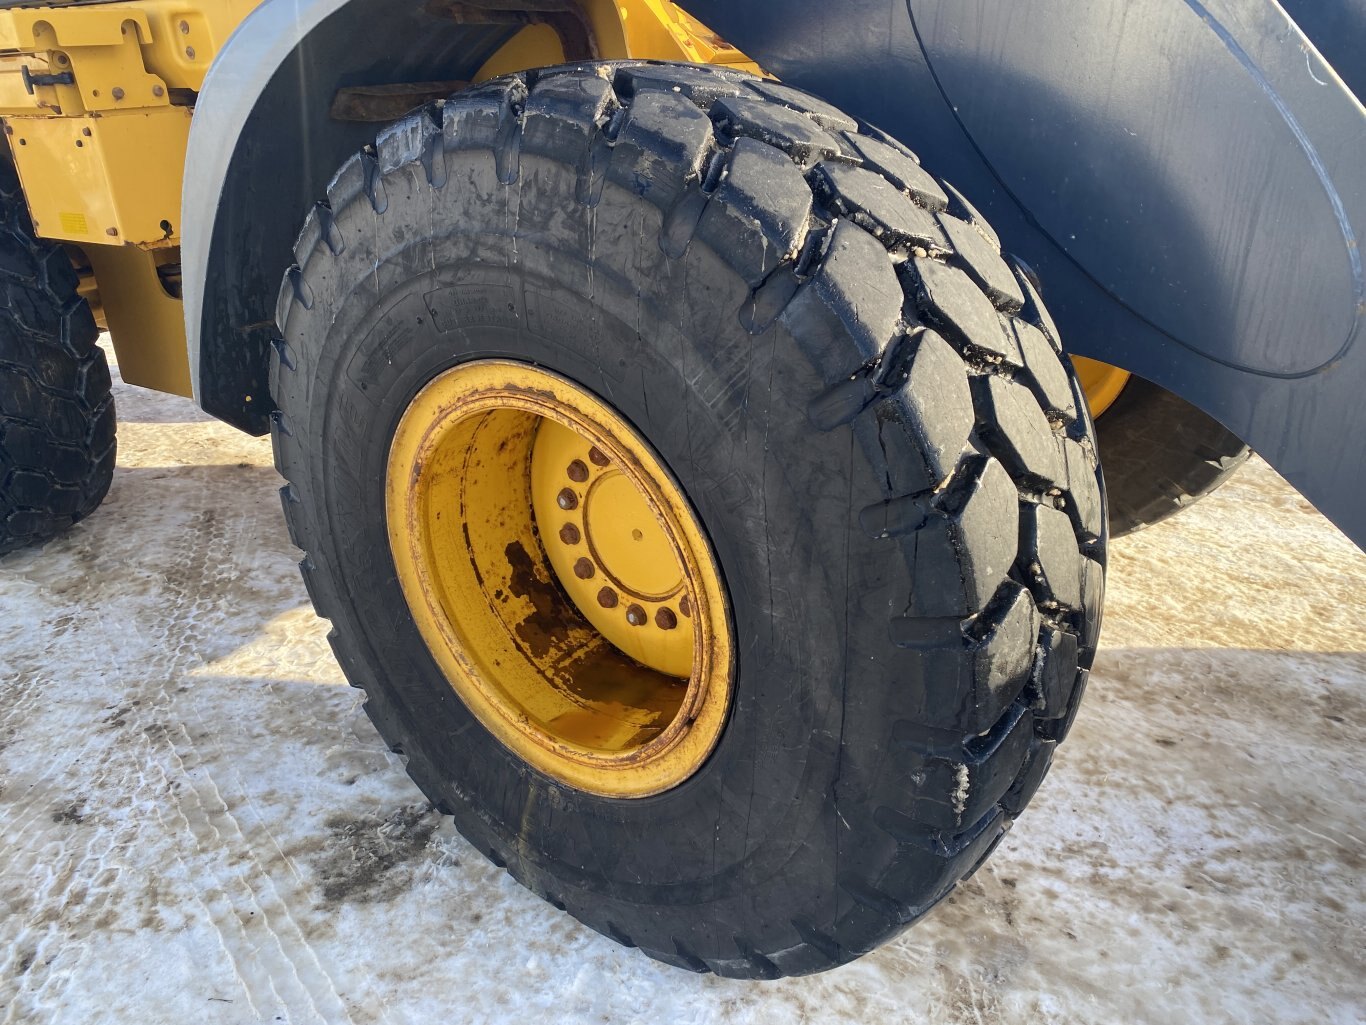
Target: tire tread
(57, 429)
(888, 281)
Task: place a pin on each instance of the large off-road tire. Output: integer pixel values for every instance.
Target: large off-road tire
(56, 411)
(1161, 454)
(868, 412)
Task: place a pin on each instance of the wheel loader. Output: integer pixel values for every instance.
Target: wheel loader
(693, 416)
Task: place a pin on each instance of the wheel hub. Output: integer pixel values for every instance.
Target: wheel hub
(610, 550)
(560, 578)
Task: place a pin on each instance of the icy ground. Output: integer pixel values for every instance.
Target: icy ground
(199, 826)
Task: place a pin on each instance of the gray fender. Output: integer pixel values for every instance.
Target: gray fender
(262, 150)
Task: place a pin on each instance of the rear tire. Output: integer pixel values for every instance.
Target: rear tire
(56, 412)
(867, 409)
(1161, 454)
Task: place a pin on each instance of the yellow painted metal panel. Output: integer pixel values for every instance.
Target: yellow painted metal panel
(660, 30)
(146, 324)
(534, 47)
(122, 55)
(109, 179)
(38, 28)
(62, 179)
(185, 37)
(647, 29)
(13, 95)
(104, 57)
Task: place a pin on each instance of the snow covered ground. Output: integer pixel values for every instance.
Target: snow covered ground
(198, 824)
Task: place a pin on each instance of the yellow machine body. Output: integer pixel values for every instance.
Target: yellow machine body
(104, 180)
(96, 101)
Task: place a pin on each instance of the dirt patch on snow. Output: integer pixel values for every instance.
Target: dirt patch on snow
(368, 859)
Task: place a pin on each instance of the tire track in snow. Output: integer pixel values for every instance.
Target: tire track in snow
(151, 770)
(74, 879)
(269, 952)
(61, 879)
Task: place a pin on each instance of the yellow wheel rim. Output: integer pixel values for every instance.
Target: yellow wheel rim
(560, 578)
(1100, 382)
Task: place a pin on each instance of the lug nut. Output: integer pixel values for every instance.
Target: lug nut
(635, 615)
(584, 569)
(570, 535)
(665, 619)
(607, 598)
(597, 457)
(685, 607)
(577, 471)
(567, 500)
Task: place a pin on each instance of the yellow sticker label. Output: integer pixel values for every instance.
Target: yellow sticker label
(75, 224)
